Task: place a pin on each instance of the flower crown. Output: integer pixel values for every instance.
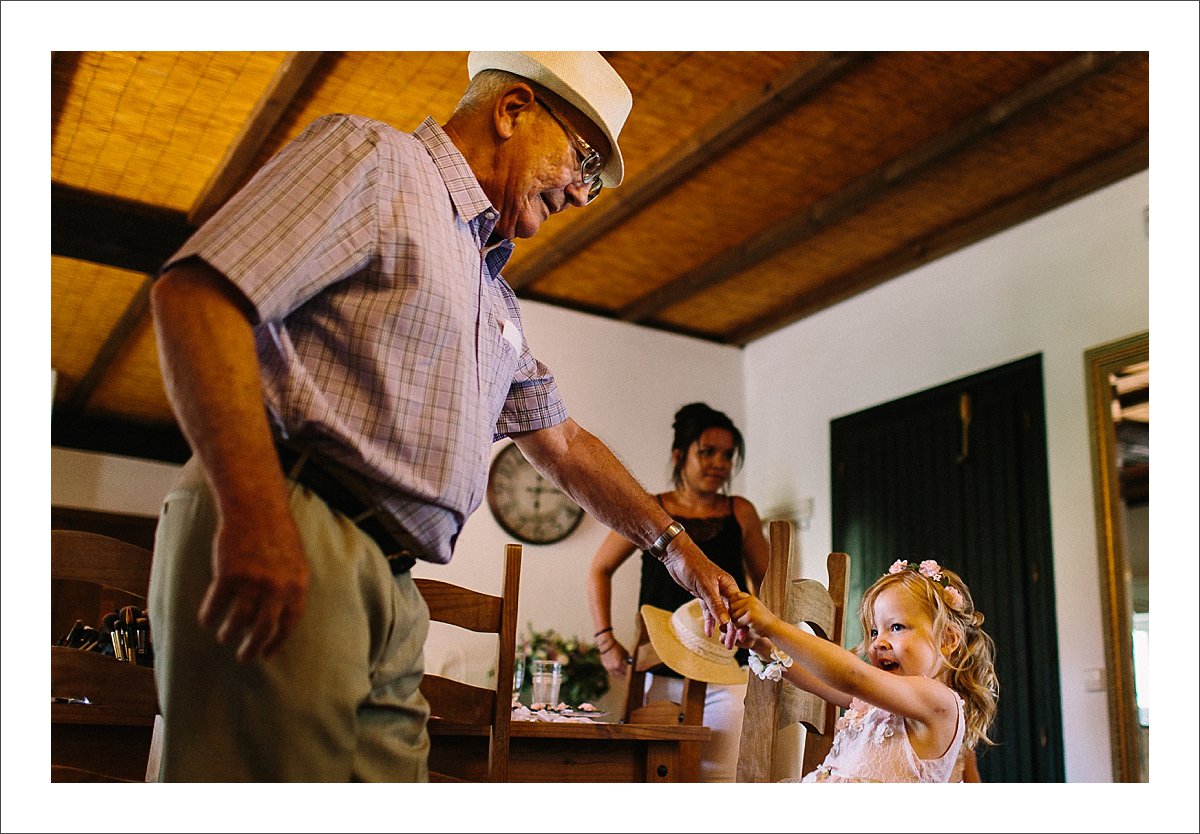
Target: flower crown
(932, 571)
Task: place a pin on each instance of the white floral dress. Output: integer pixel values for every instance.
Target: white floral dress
(871, 745)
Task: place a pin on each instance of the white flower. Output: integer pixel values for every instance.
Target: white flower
(882, 731)
(772, 670)
(850, 723)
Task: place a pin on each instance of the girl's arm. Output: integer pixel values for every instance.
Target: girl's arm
(921, 699)
(613, 552)
(801, 678)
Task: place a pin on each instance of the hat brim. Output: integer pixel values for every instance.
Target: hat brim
(681, 659)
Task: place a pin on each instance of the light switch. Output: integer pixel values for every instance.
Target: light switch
(1094, 679)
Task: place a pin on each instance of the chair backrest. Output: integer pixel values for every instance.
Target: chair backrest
(689, 711)
(462, 703)
(637, 710)
(90, 575)
(774, 705)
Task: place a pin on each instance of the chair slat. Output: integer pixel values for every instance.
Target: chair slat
(91, 557)
(457, 701)
(460, 606)
(462, 703)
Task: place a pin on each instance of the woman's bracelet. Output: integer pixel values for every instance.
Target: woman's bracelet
(770, 670)
(608, 648)
(601, 631)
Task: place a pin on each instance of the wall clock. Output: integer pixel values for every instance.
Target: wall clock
(527, 505)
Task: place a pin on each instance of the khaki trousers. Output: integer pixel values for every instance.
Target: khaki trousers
(340, 701)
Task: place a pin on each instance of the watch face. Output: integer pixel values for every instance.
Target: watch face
(527, 505)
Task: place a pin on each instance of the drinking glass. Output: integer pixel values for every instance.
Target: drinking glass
(547, 678)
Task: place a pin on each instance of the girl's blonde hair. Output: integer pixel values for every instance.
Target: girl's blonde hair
(972, 673)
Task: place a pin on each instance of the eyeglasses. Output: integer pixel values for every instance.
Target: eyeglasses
(591, 163)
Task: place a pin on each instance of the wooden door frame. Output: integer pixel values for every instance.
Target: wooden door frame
(1124, 728)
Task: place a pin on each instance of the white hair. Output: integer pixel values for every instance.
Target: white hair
(484, 87)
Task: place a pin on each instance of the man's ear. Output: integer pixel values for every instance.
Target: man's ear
(513, 104)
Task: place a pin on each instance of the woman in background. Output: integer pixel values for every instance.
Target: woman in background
(706, 452)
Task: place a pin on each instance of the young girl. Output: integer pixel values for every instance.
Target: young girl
(927, 690)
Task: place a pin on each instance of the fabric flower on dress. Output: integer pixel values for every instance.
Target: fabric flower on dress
(849, 725)
(882, 731)
(851, 722)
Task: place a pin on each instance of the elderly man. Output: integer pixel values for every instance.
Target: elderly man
(341, 350)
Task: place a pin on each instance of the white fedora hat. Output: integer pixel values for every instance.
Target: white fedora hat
(583, 78)
(681, 643)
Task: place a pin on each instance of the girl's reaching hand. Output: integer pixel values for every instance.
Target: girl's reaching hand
(750, 614)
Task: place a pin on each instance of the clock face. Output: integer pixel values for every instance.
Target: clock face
(527, 505)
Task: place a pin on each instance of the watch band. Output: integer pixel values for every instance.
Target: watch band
(660, 545)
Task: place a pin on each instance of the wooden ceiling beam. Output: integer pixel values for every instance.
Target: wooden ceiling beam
(235, 167)
(113, 231)
(115, 435)
(116, 341)
(63, 66)
(117, 233)
(1089, 177)
(735, 125)
(871, 187)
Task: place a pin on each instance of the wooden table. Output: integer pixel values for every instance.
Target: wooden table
(552, 751)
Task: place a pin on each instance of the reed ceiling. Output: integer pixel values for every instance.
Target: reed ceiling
(761, 187)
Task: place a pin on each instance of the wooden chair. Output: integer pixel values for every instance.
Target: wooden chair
(774, 705)
(116, 736)
(689, 711)
(482, 710)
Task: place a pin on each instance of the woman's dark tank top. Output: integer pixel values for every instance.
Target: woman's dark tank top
(720, 538)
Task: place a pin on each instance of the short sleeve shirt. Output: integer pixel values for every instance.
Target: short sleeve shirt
(388, 340)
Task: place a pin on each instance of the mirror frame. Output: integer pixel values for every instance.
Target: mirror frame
(1110, 538)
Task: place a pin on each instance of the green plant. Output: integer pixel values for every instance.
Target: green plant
(584, 676)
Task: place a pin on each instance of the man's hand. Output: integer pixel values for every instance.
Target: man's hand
(259, 586)
(691, 569)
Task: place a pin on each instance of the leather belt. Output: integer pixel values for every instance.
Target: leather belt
(299, 466)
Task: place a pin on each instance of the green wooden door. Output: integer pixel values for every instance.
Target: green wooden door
(958, 474)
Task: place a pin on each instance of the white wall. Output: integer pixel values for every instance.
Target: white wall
(110, 483)
(1057, 285)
